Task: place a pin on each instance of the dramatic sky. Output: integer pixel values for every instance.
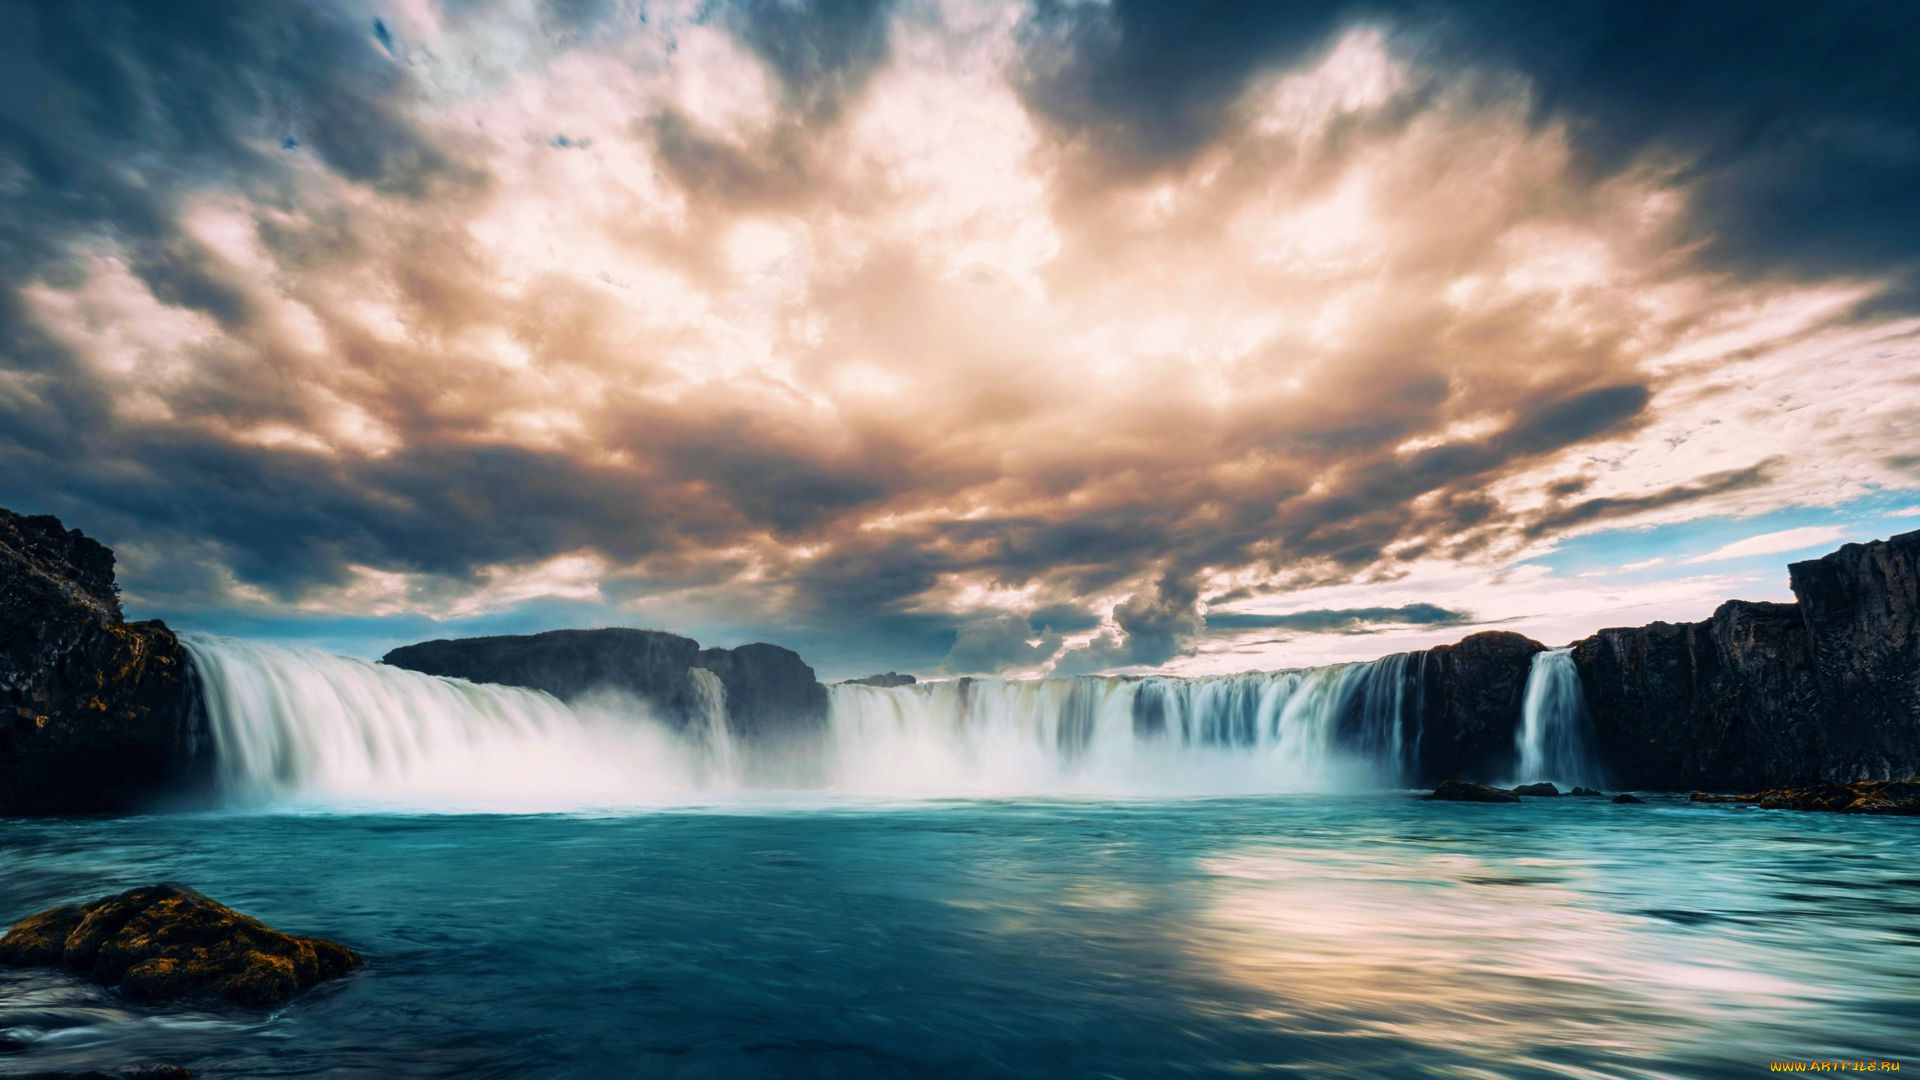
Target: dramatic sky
(951, 336)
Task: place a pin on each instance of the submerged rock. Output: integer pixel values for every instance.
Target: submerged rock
(1894, 797)
(1587, 793)
(1541, 790)
(1625, 798)
(1462, 791)
(168, 943)
(96, 713)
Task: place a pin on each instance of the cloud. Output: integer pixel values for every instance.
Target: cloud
(1775, 543)
(1339, 620)
(913, 334)
(991, 644)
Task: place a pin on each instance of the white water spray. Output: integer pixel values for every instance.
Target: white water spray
(1344, 727)
(297, 725)
(1554, 739)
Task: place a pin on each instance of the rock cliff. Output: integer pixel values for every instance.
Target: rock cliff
(1470, 696)
(772, 695)
(96, 713)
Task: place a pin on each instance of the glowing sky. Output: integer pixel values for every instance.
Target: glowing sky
(960, 337)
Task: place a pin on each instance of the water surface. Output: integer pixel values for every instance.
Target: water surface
(1319, 935)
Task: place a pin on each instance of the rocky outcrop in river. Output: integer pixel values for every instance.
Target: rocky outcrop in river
(164, 943)
(772, 695)
(96, 713)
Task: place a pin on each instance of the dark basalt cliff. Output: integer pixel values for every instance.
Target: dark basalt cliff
(1470, 695)
(650, 665)
(1861, 608)
(1728, 702)
(96, 713)
(1760, 694)
(772, 695)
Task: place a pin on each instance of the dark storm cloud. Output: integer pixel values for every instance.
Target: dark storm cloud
(991, 644)
(110, 111)
(823, 51)
(1340, 620)
(299, 299)
(1794, 122)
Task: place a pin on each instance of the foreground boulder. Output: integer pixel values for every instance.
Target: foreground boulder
(1461, 791)
(166, 943)
(1894, 797)
(96, 713)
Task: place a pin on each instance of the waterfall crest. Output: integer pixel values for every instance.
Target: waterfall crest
(300, 725)
(1344, 727)
(1555, 736)
(297, 725)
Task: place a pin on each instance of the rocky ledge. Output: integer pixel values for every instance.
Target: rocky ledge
(165, 943)
(1893, 797)
(96, 713)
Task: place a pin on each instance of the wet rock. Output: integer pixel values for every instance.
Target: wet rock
(96, 713)
(884, 681)
(1539, 790)
(1625, 798)
(167, 943)
(1586, 793)
(1891, 797)
(1462, 791)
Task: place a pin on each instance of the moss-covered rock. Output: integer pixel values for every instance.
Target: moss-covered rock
(167, 943)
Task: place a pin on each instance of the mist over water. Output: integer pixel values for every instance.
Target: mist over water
(298, 725)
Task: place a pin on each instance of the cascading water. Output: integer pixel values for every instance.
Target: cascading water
(1327, 728)
(1555, 736)
(291, 724)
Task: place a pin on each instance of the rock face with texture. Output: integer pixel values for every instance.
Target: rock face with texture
(1761, 694)
(165, 943)
(96, 713)
(651, 665)
(1729, 702)
(1471, 694)
(772, 695)
(1861, 609)
(1893, 797)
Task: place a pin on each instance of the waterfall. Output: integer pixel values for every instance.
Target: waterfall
(711, 727)
(298, 725)
(1555, 736)
(294, 725)
(1344, 727)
